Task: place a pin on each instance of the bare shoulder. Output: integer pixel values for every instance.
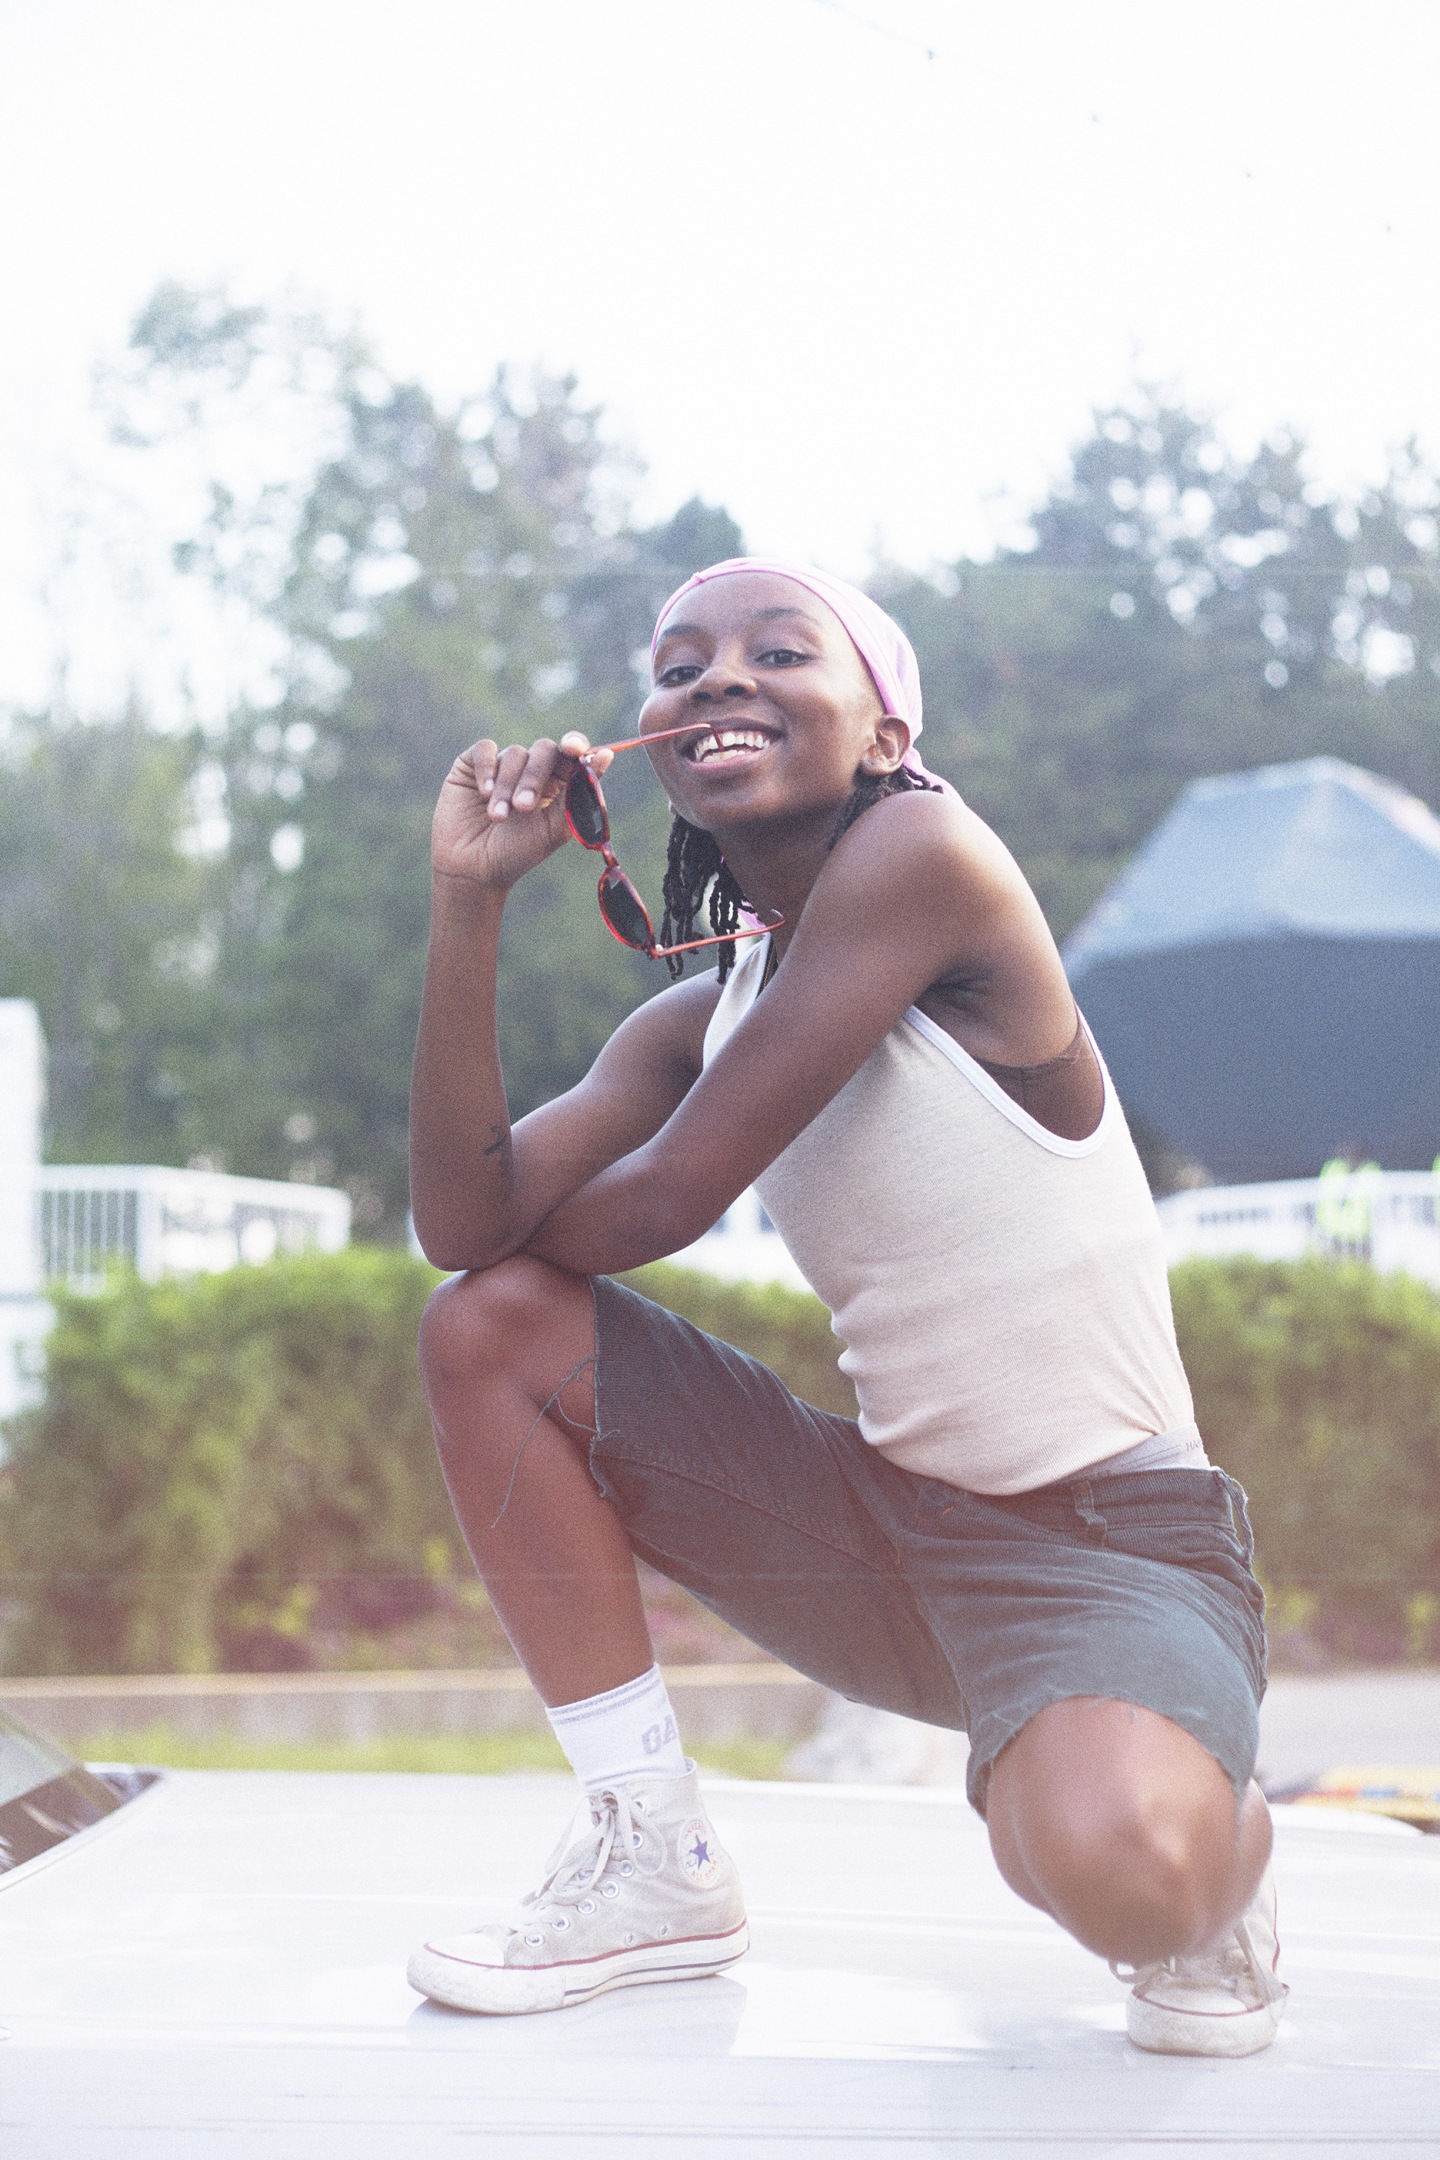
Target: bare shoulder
(924, 849)
(950, 898)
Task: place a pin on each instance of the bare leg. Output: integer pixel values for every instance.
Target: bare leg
(494, 1349)
(1125, 1829)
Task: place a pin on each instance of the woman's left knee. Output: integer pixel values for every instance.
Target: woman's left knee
(1134, 1849)
(1128, 1878)
(1158, 1864)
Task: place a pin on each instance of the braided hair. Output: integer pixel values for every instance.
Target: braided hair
(695, 862)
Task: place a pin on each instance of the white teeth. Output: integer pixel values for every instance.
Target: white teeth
(728, 739)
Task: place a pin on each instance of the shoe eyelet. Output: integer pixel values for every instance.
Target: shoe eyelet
(587, 1905)
(536, 1942)
(635, 1838)
(560, 1923)
(609, 1889)
(628, 1940)
(664, 1928)
(627, 1867)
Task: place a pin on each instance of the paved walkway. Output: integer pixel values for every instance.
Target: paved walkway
(1313, 1722)
(1308, 1723)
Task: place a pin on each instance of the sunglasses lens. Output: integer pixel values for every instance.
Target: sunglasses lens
(624, 911)
(585, 808)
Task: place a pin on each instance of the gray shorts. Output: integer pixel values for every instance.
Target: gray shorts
(914, 1595)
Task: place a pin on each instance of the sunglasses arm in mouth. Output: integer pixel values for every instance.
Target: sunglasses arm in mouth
(637, 742)
(621, 908)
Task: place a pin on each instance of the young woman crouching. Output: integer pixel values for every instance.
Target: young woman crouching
(1021, 1536)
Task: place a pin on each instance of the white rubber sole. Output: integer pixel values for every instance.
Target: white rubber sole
(1194, 2032)
(513, 1990)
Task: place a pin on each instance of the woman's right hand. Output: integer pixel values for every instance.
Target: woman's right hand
(503, 811)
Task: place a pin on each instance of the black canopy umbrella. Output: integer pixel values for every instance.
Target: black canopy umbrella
(1264, 979)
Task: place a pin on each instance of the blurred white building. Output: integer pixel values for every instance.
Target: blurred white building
(24, 1314)
(744, 1246)
(72, 1223)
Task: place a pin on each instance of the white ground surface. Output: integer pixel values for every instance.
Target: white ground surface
(221, 1974)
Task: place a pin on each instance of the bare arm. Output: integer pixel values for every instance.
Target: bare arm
(477, 1189)
(918, 893)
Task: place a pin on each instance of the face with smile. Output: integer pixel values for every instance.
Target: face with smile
(793, 713)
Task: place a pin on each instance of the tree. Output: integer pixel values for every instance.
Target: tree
(402, 578)
(110, 922)
(450, 574)
(1181, 612)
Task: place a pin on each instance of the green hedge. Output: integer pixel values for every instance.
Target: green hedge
(219, 1463)
(237, 1470)
(1317, 1384)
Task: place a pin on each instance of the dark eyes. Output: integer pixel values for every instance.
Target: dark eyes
(685, 671)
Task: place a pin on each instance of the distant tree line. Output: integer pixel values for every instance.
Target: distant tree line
(445, 572)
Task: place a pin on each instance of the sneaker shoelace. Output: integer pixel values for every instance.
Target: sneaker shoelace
(576, 1874)
(1227, 1964)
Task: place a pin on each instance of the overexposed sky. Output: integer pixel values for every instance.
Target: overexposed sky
(862, 296)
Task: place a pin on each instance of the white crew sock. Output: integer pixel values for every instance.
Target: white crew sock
(629, 1732)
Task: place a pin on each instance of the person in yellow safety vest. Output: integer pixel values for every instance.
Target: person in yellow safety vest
(1344, 1208)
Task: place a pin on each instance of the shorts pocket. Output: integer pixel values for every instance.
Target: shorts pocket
(1203, 1529)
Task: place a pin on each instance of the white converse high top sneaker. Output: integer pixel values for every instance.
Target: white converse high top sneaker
(1225, 2000)
(643, 1891)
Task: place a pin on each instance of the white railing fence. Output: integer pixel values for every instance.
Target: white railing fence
(90, 1218)
(1390, 1218)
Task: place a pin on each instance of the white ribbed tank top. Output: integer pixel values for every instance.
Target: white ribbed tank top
(1000, 1292)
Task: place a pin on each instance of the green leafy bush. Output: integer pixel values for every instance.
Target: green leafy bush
(237, 1471)
(216, 1462)
(1317, 1384)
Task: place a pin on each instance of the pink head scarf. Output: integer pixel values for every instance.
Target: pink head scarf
(880, 642)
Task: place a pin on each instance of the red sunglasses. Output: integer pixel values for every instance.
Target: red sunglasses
(621, 908)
